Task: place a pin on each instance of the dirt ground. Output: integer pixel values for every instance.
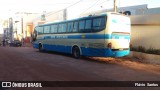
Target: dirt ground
(28, 64)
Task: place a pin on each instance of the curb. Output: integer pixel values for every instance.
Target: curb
(155, 59)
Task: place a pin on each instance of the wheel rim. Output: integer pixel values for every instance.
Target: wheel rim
(76, 52)
(40, 47)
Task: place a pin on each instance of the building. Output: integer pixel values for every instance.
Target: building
(133, 10)
(23, 26)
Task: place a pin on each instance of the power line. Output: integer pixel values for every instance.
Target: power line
(90, 7)
(103, 2)
(64, 8)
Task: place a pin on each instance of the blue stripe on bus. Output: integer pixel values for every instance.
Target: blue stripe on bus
(100, 52)
(103, 52)
(99, 36)
(47, 37)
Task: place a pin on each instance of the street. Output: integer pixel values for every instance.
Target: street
(28, 64)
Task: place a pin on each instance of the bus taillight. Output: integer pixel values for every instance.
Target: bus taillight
(109, 45)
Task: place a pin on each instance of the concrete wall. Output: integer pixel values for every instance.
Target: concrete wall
(151, 19)
(146, 35)
(145, 31)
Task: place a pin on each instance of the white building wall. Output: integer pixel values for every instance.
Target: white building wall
(146, 36)
(18, 20)
(145, 31)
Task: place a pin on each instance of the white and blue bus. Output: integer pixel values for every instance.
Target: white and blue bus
(105, 35)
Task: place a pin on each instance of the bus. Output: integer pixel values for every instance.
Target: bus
(103, 35)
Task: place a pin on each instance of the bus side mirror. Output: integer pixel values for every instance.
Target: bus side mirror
(34, 36)
(128, 13)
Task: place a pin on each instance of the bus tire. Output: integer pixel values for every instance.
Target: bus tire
(40, 48)
(76, 52)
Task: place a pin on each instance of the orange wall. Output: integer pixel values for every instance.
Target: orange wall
(29, 29)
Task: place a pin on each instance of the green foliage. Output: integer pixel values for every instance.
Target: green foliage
(144, 50)
(132, 48)
(141, 49)
(153, 51)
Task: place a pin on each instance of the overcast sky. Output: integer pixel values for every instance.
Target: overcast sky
(9, 7)
(38, 6)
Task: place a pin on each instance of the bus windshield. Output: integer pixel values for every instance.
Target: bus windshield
(120, 24)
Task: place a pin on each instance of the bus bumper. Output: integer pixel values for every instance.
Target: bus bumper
(97, 52)
(120, 53)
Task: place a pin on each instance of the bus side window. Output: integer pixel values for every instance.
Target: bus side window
(70, 26)
(98, 23)
(40, 30)
(46, 29)
(64, 27)
(75, 27)
(54, 28)
(60, 28)
(81, 25)
(88, 25)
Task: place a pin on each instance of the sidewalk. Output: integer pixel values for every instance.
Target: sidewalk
(27, 45)
(149, 58)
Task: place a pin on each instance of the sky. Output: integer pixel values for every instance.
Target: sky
(8, 7)
(76, 7)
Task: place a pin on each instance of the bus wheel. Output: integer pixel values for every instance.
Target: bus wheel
(76, 52)
(40, 48)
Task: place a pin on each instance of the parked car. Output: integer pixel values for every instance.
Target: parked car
(16, 43)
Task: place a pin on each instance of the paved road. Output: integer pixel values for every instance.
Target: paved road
(28, 64)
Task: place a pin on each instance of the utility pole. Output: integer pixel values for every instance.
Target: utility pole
(22, 26)
(115, 6)
(65, 14)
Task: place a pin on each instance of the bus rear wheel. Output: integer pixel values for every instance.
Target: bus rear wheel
(76, 52)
